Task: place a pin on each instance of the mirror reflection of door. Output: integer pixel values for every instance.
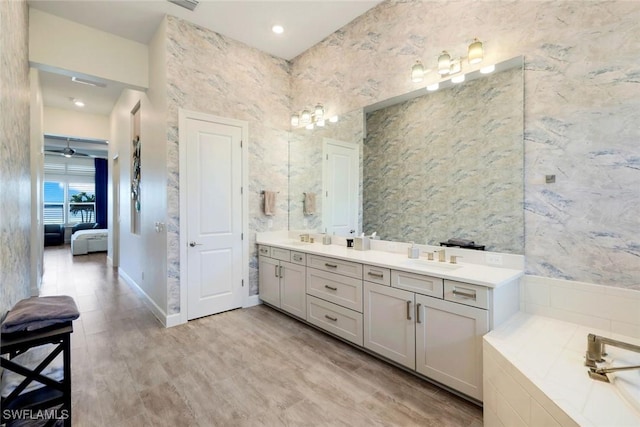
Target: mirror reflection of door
(340, 187)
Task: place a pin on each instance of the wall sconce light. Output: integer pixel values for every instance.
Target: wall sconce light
(310, 120)
(476, 52)
(417, 72)
(444, 63)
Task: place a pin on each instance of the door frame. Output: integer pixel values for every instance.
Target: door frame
(183, 116)
(325, 180)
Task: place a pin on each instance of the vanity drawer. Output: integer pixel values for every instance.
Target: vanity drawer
(345, 291)
(338, 320)
(281, 254)
(264, 250)
(299, 258)
(346, 268)
(418, 283)
(466, 293)
(379, 275)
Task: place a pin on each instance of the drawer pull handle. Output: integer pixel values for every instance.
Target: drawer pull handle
(326, 264)
(418, 305)
(333, 319)
(276, 271)
(379, 275)
(408, 310)
(330, 287)
(464, 294)
(281, 275)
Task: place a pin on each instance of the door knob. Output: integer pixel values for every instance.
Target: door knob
(192, 244)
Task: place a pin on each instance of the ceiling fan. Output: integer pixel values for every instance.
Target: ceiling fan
(67, 152)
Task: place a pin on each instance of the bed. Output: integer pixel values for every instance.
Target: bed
(85, 241)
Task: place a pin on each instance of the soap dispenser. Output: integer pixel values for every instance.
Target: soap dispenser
(413, 251)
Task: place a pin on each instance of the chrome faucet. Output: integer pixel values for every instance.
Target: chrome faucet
(595, 351)
(441, 255)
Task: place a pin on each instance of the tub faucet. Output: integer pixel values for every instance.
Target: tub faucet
(595, 351)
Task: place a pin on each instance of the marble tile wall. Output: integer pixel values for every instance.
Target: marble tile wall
(213, 74)
(15, 175)
(449, 164)
(581, 109)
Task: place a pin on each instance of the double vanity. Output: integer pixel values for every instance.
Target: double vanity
(425, 316)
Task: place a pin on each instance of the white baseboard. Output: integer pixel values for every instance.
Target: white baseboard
(151, 304)
(251, 301)
(109, 261)
(173, 320)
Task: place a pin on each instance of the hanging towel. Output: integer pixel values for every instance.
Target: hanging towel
(270, 203)
(309, 203)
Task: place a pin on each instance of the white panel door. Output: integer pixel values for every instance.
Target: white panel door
(340, 187)
(389, 325)
(449, 343)
(214, 217)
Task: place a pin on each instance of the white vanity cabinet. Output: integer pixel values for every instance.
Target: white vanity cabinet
(282, 283)
(449, 343)
(440, 339)
(389, 323)
(428, 324)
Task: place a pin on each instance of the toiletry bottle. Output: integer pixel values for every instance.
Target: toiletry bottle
(413, 251)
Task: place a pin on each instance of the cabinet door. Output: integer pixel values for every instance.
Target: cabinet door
(293, 297)
(389, 325)
(449, 343)
(269, 280)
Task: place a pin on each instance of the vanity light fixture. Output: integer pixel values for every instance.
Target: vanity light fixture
(417, 72)
(310, 118)
(444, 63)
(488, 69)
(476, 52)
(433, 87)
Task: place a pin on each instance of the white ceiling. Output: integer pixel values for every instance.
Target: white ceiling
(305, 22)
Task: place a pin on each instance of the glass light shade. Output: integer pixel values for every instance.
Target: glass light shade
(417, 72)
(433, 87)
(457, 79)
(333, 119)
(319, 112)
(295, 120)
(476, 52)
(488, 69)
(444, 63)
(305, 117)
(456, 66)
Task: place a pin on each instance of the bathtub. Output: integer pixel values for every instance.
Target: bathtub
(534, 375)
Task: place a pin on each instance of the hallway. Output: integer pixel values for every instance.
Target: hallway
(249, 367)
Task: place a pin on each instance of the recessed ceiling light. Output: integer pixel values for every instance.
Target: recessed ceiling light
(488, 69)
(278, 29)
(433, 87)
(78, 102)
(457, 79)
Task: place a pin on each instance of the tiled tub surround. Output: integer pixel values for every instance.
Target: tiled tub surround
(534, 375)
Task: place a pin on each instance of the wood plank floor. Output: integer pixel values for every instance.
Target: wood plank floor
(247, 367)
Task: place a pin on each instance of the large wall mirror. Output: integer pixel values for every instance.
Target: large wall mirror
(433, 165)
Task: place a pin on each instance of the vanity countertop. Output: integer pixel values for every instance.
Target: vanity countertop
(477, 274)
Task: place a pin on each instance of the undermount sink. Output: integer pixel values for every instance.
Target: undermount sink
(435, 265)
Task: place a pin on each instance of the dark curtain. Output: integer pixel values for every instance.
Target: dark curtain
(101, 192)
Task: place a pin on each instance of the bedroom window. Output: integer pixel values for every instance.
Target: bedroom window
(69, 191)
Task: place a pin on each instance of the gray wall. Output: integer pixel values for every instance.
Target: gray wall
(15, 175)
(582, 106)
